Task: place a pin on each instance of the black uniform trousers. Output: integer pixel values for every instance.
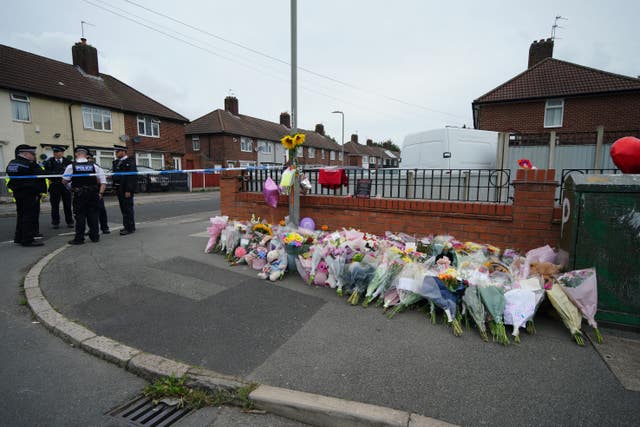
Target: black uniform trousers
(126, 207)
(58, 192)
(28, 208)
(85, 209)
(102, 215)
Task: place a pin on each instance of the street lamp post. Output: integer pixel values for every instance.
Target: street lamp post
(342, 114)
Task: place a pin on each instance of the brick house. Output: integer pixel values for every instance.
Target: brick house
(45, 102)
(571, 112)
(369, 156)
(226, 138)
(555, 94)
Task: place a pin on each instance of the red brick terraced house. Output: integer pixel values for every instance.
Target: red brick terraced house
(584, 108)
(369, 156)
(226, 138)
(45, 102)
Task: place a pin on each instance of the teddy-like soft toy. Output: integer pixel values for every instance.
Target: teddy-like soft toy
(545, 269)
(276, 265)
(322, 274)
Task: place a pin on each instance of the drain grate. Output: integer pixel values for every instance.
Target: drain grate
(143, 412)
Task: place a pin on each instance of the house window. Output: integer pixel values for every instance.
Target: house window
(195, 142)
(150, 160)
(266, 147)
(322, 154)
(332, 155)
(299, 152)
(105, 158)
(20, 107)
(312, 152)
(244, 164)
(96, 118)
(246, 144)
(365, 160)
(372, 160)
(177, 163)
(148, 126)
(340, 155)
(553, 113)
(231, 164)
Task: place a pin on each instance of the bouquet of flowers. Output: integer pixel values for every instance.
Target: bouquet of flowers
(474, 306)
(493, 299)
(218, 224)
(407, 285)
(581, 287)
(434, 290)
(384, 274)
(357, 276)
(520, 305)
(568, 312)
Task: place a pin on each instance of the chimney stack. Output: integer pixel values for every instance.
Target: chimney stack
(320, 129)
(354, 137)
(85, 56)
(285, 119)
(231, 105)
(540, 50)
(370, 142)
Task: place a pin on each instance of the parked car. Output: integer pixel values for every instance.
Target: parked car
(151, 180)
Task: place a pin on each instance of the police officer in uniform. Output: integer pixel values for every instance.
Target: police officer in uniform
(125, 186)
(102, 211)
(87, 191)
(26, 192)
(57, 191)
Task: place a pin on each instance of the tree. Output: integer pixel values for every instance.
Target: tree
(387, 145)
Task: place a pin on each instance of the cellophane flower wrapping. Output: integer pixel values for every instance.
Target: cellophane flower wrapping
(358, 275)
(520, 305)
(271, 192)
(541, 254)
(581, 286)
(218, 224)
(568, 312)
(493, 300)
(385, 272)
(318, 253)
(473, 303)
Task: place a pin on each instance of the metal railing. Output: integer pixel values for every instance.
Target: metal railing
(568, 172)
(474, 185)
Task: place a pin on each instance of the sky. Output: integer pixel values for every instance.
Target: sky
(392, 67)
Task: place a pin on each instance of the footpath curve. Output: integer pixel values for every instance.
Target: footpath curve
(313, 409)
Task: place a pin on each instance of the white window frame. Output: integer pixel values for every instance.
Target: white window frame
(246, 144)
(177, 163)
(312, 152)
(89, 114)
(105, 154)
(146, 158)
(245, 163)
(322, 153)
(231, 164)
(195, 143)
(340, 155)
(372, 160)
(21, 99)
(365, 159)
(556, 106)
(299, 152)
(266, 147)
(154, 126)
(332, 155)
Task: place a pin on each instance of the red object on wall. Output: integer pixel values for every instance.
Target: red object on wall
(333, 178)
(625, 154)
(210, 180)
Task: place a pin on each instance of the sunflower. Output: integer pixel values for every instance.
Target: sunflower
(298, 139)
(263, 228)
(288, 142)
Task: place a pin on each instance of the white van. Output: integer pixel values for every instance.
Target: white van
(450, 148)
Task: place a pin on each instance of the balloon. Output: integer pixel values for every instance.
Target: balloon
(625, 153)
(307, 223)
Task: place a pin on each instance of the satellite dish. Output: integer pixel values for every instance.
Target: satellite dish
(124, 138)
(136, 139)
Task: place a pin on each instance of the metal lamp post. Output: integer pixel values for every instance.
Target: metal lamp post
(342, 114)
(294, 198)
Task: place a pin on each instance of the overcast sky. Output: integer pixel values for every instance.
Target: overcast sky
(435, 57)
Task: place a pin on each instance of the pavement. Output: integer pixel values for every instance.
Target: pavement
(157, 291)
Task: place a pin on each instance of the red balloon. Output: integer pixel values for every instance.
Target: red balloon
(625, 154)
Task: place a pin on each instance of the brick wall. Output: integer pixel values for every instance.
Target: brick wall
(581, 114)
(530, 222)
(171, 138)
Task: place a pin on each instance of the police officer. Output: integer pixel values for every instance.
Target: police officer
(102, 211)
(87, 191)
(125, 186)
(26, 191)
(57, 191)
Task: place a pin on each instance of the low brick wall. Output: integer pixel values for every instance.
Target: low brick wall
(531, 221)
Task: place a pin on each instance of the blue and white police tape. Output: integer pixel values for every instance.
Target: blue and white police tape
(161, 172)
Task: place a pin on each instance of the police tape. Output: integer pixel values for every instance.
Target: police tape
(153, 173)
